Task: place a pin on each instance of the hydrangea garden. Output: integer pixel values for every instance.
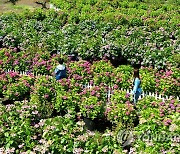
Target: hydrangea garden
(41, 115)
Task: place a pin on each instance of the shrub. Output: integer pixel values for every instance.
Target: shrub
(43, 95)
(120, 110)
(158, 126)
(92, 102)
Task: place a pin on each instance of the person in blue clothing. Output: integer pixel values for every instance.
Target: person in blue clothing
(136, 86)
(60, 70)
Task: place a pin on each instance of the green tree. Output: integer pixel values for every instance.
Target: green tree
(43, 3)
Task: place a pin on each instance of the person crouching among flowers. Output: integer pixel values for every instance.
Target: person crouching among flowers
(60, 70)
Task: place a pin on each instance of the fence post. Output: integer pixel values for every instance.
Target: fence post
(167, 98)
(159, 96)
(150, 94)
(156, 96)
(177, 98)
(109, 91)
(143, 94)
(88, 85)
(162, 97)
(153, 95)
(146, 93)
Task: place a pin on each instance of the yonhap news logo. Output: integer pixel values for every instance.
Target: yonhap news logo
(125, 137)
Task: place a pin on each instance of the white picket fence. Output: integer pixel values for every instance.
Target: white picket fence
(111, 89)
(129, 91)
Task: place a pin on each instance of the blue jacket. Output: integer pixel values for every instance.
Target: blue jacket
(60, 72)
(137, 86)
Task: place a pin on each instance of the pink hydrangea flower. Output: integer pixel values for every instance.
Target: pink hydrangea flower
(115, 86)
(16, 94)
(153, 103)
(168, 73)
(115, 117)
(107, 73)
(16, 62)
(64, 97)
(91, 106)
(172, 101)
(93, 92)
(162, 103)
(86, 106)
(127, 113)
(161, 114)
(46, 96)
(91, 82)
(98, 95)
(13, 74)
(127, 95)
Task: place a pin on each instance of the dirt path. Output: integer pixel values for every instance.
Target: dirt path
(20, 5)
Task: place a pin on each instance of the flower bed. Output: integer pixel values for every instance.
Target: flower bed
(158, 127)
(49, 98)
(164, 82)
(31, 126)
(49, 116)
(147, 38)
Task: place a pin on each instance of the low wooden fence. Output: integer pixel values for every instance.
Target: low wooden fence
(111, 90)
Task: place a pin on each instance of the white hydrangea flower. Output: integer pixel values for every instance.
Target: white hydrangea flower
(173, 127)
